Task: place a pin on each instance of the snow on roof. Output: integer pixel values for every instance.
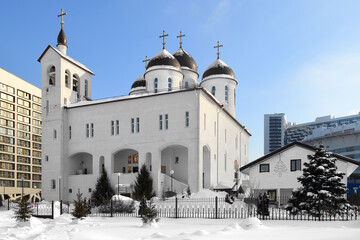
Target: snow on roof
(224, 185)
(72, 60)
(207, 193)
(163, 54)
(218, 63)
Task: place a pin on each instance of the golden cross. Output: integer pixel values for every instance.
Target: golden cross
(146, 60)
(61, 15)
(218, 51)
(180, 36)
(163, 36)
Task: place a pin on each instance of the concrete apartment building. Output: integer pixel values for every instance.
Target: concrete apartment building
(20, 138)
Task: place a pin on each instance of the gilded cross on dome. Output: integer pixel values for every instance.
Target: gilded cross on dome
(180, 36)
(146, 61)
(61, 15)
(218, 49)
(163, 36)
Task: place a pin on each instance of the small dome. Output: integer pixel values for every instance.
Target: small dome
(164, 58)
(218, 68)
(185, 59)
(140, 82)
(61, 38)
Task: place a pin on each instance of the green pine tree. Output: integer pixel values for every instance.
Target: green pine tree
(322, 190)
(81, 207)
(149, 213)
(143, 185)
(103, 190)
(23, 212)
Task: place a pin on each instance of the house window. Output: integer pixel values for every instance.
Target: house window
(112, 128)
(295, 165)
(54, 134)
(70, 190)
(160, 122)
(89, 189)
(271, 195)
(169, 84)
(132, 125)
(87, 130)
(225, 161)
(264, 168)
(156, 85)
(187, 119)
(117, 127)
(186, 85)
(75, 83)
(69, 132)
(213, 89)
(92, 130)
(226, 94)
(166, 121)
(46, 158)
(137, 124)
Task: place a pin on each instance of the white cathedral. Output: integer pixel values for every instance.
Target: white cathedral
(183, 130)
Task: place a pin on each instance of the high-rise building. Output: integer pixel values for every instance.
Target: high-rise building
(274, 131)
(20, 138)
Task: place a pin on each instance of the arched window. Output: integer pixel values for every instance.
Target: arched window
(156, 85)
(52, 76)
(67, 79)
(186, 85)
(226, 94)
(169, 84)
(213, 89)
(76, 85)
(86, 88)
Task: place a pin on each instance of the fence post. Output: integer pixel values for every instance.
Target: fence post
(61, 205)
(8, 203)
(216, 207)
(176, 207)
(111, 208)
(52, 209)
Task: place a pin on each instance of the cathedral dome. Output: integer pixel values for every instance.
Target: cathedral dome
(164, 58)
(185, 59)
(61, 38)
(140, 82)
(218, 68)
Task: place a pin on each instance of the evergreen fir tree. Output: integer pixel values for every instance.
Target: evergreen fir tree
(263, 205)
(149, 213)
(103, 190)
(23, 212)
(143, 185)
(81, 209)
(322, 190)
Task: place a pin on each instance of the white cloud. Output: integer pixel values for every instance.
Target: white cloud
(328, 84)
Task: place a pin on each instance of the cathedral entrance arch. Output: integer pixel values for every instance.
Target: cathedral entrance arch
(175, 158)
(126, 161)
(81, 163)
(206, 167)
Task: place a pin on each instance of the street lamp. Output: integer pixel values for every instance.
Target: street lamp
(171, 174)
(59, 188)
(22, 187)
(118, 187)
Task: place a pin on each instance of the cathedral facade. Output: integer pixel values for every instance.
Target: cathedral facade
(183, 130)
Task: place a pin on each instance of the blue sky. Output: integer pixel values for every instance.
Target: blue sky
(297, 57)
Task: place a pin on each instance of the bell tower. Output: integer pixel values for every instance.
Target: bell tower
(64, 81)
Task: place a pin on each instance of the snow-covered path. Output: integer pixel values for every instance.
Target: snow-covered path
(210, 229)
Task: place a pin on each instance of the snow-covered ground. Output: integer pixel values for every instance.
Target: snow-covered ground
(64, 228)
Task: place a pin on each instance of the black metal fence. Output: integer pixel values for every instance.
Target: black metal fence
(215, 208)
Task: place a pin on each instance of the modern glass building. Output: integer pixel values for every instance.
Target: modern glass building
(274, 131)
(20, 138)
